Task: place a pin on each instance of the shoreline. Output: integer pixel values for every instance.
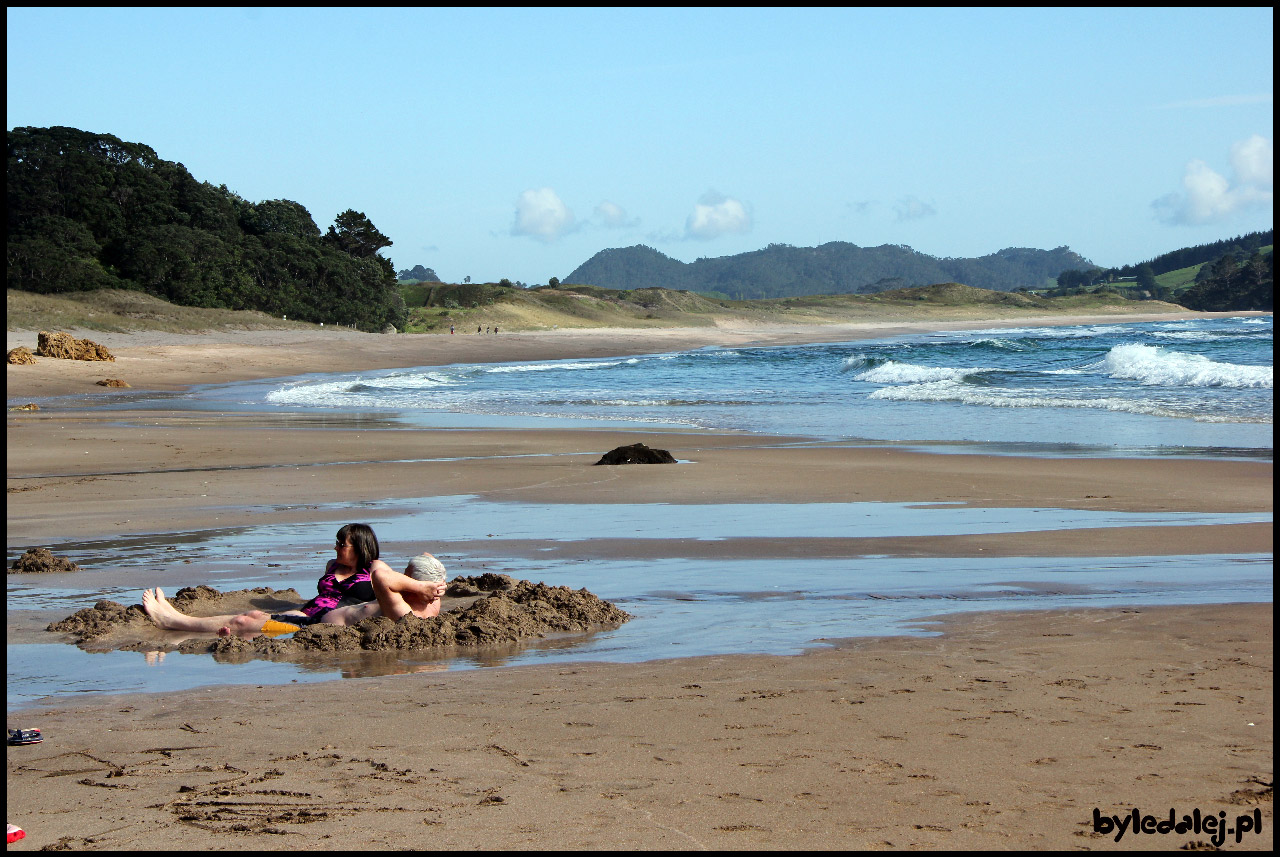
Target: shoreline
(1005, 731)
(149, 360)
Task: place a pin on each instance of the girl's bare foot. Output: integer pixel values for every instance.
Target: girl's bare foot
(160, 611)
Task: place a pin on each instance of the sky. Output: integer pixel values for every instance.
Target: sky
(518, 143)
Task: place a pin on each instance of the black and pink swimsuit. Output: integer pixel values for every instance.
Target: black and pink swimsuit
(333, 593)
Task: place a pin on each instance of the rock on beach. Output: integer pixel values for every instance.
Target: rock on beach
(66, 347)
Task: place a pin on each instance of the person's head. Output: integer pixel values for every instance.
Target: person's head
(362, 542)
(426, 568)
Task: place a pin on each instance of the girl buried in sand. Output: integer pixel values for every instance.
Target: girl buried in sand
(356, 585)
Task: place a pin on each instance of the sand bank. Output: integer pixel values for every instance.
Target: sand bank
(1006, 732)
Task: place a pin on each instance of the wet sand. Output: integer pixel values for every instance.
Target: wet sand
(1006, 731)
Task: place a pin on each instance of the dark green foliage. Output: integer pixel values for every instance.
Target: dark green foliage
(781, 270)
(1146, 278)
(419, 273)
(1235, 286)
(1239, 246)
(1242, 246)
(88, 211)
(354, 234)
(466, 295)
(278, 217)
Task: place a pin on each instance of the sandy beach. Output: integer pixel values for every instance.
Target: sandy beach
(1003, 731)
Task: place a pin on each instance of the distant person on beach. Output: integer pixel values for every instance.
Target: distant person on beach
(477, 328)
(356, 585)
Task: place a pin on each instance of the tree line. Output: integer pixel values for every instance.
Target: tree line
(90, 211)
(1144, 273)
(1233, 284)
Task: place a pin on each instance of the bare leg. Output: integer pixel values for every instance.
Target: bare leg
(399, 595)
(351, 614)
(168, 617)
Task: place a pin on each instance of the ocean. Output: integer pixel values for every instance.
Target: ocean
(1200, 388)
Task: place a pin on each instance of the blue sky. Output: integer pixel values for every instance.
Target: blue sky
(517, 143)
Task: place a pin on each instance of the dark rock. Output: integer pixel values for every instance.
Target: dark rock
(637, 453)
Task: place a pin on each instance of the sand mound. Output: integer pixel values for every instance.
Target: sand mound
(112, 382)
(21, 356)
(67, 347)
(101, 618)
(107, 617)
(42, 560)
(486, 609)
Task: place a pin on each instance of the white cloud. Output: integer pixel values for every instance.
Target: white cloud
(542, 215)
(913, 208)
(1208, 195)
(715, 215)
(613, 216)
(1253, 161)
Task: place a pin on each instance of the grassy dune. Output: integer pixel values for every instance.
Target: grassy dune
(589, 306)
(515, 309)
(117, 310)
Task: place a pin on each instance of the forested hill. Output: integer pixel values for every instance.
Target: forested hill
(781, 270)
(88, 211)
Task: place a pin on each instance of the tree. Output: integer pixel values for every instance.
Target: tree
(1250, 286)
(282, 216)
(1147, 278)
(355, 234)
(554, 282)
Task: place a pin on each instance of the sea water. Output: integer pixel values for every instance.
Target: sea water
(1190, 388)
(1147, 388)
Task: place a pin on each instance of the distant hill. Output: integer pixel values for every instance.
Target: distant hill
(781, 270)
(419, 273)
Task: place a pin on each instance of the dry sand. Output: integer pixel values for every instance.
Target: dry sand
(1004, 732)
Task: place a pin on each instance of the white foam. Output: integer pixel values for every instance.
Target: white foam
(551, 367)
(1155, 366)
(965, 394)
(893, 372)
(1001, 344)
